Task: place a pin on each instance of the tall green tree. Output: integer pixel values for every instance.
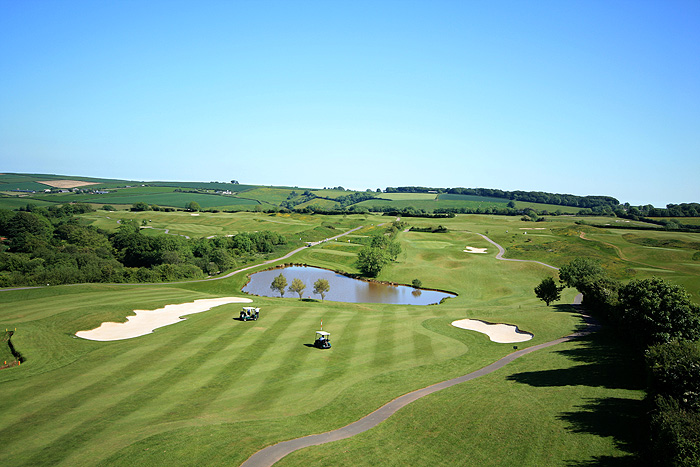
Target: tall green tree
(548, 291)
(279, 283)
(579, 269)
(321, 287)
(371, 261)
(193, 206)
(297, 287)
(674, 371)
(657, 312)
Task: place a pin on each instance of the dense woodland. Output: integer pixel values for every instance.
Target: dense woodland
(50, 246)
(663, 324)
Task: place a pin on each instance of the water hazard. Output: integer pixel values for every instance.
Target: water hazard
(342, 288)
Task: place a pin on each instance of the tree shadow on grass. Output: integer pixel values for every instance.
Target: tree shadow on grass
(621, 419)
(605, 361)
(589, 323)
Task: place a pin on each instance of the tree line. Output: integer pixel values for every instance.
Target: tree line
(50, 246)
(663, 323)
(518, 195)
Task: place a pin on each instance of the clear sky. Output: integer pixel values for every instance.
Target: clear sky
(581, 97)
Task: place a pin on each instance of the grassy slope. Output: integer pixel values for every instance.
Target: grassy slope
(214, 390)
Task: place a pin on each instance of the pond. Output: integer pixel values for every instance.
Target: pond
(342, 288)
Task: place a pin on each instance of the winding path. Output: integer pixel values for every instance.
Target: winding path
(270, 455)
(502, 251)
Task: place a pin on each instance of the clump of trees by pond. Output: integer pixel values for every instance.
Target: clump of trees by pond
(279, 283)
(661, 321)
(380, 250)
(50, 246)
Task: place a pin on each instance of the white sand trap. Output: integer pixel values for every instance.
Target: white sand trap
(501, 333)
(471, 249)
(146, 321)
(195, 214)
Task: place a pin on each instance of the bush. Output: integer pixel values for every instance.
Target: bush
(675, 435)
(674, 371)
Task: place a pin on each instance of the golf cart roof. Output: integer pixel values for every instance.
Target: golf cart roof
(323, 333)
(250, 308)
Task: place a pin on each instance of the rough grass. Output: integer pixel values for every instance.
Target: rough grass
(213, 390)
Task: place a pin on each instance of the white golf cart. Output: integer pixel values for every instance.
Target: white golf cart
(322, 340)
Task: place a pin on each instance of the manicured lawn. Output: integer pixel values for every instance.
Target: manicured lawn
(213, 390)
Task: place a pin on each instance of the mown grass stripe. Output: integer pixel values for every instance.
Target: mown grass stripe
(339, 366)
(281, 377)
(75, 399)
(422, 347)
(202, 397)
(384, 351)
(130, 403)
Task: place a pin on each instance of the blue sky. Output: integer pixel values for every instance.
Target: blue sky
(581, 97)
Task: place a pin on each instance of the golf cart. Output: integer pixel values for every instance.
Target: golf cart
(249, 313)
(322, 340)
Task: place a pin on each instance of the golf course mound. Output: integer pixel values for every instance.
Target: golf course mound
(500, 333)
(146, 321)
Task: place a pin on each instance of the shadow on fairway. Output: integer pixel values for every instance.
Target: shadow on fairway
(621, 419)
(603, 363)
(603, 360)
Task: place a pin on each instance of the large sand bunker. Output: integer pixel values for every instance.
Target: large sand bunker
(471, 249)
(501, 333)
(146, 321)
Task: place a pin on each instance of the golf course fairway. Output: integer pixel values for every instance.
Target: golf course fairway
(214, 390)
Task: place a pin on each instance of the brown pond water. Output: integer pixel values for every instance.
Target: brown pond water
(342, 288)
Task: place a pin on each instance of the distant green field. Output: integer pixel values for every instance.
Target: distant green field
(270, 195)
(482, 199)
(30, 181)
(430, 205)
(322, 203)
(7, 202)
(204, 185)
(547, 207)
(177, 200)
(407, 196)
(332, 193)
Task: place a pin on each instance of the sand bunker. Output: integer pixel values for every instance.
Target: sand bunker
(146, 321)
(501, 333)
(471, 249)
